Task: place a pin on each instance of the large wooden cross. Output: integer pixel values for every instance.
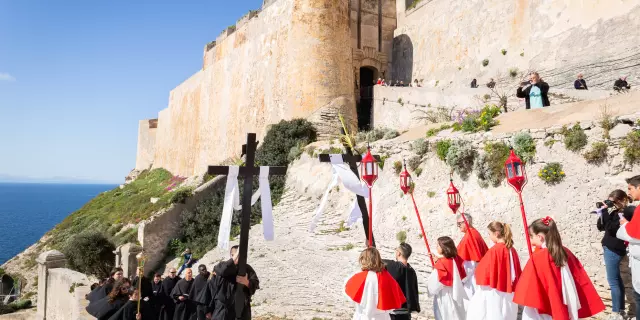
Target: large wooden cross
(248, 171)
(353, 161)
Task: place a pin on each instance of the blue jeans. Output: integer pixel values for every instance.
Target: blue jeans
(612, 266)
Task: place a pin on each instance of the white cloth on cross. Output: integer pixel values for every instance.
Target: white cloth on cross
(232, 202)
(351, 182)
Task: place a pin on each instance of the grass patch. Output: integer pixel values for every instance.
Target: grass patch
(574, 139)
(597, 154)
(631, 143)
(552, 173)
(485, 62)
(524, 146)
(397, 167)
(431, 194)
(401, 236)
(442, 148)
(418, 171)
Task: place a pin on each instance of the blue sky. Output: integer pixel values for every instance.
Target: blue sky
(76, 76)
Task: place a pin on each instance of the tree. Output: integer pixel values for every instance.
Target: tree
(90, 253)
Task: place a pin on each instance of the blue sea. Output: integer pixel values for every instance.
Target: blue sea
(29, 210)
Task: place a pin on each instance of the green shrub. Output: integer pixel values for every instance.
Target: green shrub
(295, 152)
(397, 167)
(513, 72)
(489, 166)
(391, 134)
(127, 236)
(549, 143)
(574, 139)
(91, 253)
(631, 143)
(486, 97)
(461, 156)
(413, 163)
(281, 137)
(432, 132)
(442, 148)
(2, 272)
(401, 236)
(522, 54)
(400, 101)
(552, 173)
(383, 159)
(311, 150)
(420, 147)
(431, 194)
(181, 195)
(418, 171)
(597, 154)
(504, 52)
(482, 120)
(485, 62)
(524, 146)
(376, 134)
(208, 177)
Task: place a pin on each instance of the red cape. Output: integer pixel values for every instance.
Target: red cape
(472, 247)
(633, 227)
(494, 270)
(390, 295)
(445, 270)
(540, 287)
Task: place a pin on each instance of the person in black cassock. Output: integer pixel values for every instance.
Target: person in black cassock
(168, 305)
(156, 285)
(144, 286)
(199, 285)
(185, 304)
(219, 296)
(406, 278)
(130, 309)
(102, 291)
(104, 308)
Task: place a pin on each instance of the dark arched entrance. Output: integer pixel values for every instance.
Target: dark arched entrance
(367, 80)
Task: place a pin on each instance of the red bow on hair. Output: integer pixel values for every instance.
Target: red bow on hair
(546, 220)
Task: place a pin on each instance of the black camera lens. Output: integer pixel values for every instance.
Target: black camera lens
(609, 203)
(599, 205)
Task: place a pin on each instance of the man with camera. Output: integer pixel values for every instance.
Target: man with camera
(610, 212)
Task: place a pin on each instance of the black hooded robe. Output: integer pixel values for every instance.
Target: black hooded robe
(146, 290)
(219, 296)
(129, 310)
(199, 285)
(185, 309)
(168, 305)
(407, 279)
(101, 291)
(103, 309)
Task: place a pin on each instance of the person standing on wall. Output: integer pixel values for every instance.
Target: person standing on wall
(405, 276)
(631, 232)
(535, 93)
(609, 214)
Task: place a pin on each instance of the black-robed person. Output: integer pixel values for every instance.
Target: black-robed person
(156, 286)
(406, 278)
(168, 305)
(130, 309)
(219, 296)
(104, 308)
(185, 304)
(103, 290)
(146, 291)
(199, 285)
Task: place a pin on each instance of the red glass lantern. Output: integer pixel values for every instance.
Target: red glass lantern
(453, 197)
(405, 180)
(369, 168)
(515, 172)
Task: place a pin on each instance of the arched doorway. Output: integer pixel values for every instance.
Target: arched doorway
(368, 76)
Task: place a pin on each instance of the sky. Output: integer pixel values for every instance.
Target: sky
(77, 76)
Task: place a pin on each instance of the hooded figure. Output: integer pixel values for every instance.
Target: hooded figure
(185, 304)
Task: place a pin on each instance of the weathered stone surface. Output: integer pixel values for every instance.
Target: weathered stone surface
(620, 131)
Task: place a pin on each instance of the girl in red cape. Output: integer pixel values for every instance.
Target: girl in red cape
(445, 285)
(553, 284)
(374, 290)
(471, 249)
(496, 276)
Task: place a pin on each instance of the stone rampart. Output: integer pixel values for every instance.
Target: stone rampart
(146, 143)
(289, 61)
(448, 40)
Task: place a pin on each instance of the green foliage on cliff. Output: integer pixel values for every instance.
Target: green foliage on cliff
(118, 206)
(90, 252)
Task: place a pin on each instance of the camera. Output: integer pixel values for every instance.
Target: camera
(608, 202)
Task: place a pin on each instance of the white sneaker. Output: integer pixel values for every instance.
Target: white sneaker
(616, 316)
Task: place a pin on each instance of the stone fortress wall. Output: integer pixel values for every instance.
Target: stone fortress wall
(448, 40)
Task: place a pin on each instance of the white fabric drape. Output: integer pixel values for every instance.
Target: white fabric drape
(341, 172)
(448, 302)
(232, 202)
(490, 304)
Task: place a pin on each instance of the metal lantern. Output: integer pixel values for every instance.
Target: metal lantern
(405, 180)
(453, 197)
(515, 172)
(369, 168)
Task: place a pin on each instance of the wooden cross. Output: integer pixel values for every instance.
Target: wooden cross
(353, 161)
(248, 171)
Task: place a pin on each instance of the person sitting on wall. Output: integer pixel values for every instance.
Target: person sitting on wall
(416, 83)
(580, 84)
(379, 81)
(621, 84)
(401, 84)
(534, 92)
(491, 84)
(474, 83)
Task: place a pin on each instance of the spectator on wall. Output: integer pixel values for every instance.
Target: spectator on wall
(379, 81)
(621, 84)
(474, 83)
(491, 84)
(535, 93)
(580, 84)
(401, 84)
(189, 260)
(416, 83)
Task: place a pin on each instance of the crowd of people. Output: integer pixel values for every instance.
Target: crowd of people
(476, 282)
(209, 295)
(397, 83)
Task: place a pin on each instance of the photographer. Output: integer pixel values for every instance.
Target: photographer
(609, 214)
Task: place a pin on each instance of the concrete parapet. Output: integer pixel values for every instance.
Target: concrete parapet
(126, 258)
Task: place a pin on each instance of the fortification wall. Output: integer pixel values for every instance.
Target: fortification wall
(287, 61)
(448, 40)
(146, 143)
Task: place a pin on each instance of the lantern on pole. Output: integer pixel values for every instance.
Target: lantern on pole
(516, 175)
(406, 185)
(454, 200)
(369, 174)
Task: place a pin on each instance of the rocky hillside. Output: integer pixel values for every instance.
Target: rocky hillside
(302, 273)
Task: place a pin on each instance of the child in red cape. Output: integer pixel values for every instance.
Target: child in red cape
(496, 277)
(471, 249)
(445, 285)
(553, 284)
(374, 290)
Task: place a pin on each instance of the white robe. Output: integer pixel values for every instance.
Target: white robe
(469, 282)
(448, 302)
(367, 309)
(490, 304)
(634, 256)
(569, 295)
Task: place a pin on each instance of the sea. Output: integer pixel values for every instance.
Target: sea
(29, 210)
